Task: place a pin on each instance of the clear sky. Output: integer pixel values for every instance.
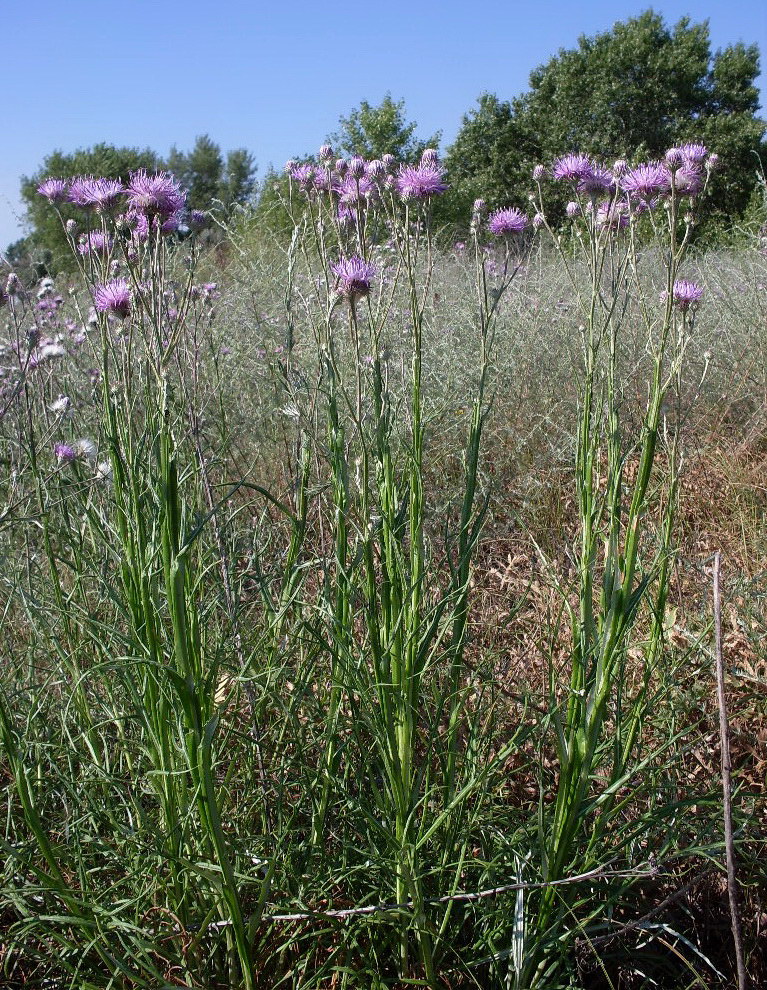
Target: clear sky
(275, 76)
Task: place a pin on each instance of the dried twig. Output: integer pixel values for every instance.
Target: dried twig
(733, 890)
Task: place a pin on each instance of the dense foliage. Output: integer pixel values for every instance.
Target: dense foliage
(639, 87)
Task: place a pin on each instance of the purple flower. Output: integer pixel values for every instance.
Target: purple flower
(572, 167)
(54, 190)
(326, 154)
(389, 161)
(113, 297)
(598, 180)
(303, 175)
(538, 221)
(354, 277)
(507, 221)
(97, 194)
(420, 181)
(539, 173)
(64, 453)
(573, 210)
(430, 158)
(198, 219)
(158, 194)
(686, 294)
(355, 192)
(94, 241)
(694, 153)
(647, 180)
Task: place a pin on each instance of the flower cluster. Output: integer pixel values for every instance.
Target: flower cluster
(682, 172)
(355, 183)
(147, 200)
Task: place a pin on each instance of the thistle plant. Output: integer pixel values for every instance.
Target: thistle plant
(622, 566)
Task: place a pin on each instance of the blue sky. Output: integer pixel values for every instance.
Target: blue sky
(275, 77)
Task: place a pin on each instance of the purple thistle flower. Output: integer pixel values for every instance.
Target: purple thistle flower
(430, 158)
(97, 194)
(598, 180)
(303, 175)
(355, 192)
(539, 173)
(538, 221)
(693, 152)
(420, 181)
(54, 190)
(507, 221)
(113, 297)
(94, 241)
(64, 453)
(326, 154)
(389, 161)
(198, 219)
(647, 180)
(158, 194)
(573, 210)
(572, 167)
(341, 166)
(354, 277)
(686, 293)
(357, 167)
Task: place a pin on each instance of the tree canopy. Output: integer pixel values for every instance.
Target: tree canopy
(375, 131)
(634, 90)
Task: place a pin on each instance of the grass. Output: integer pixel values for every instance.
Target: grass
(371, 644)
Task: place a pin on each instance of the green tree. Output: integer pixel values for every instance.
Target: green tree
(47, 239)
(209, 179)
(375, 131)
(634, 90)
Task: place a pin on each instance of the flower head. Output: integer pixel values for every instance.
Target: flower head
(420, 181)
(354, 276)
(113, 297)
(159, 194)
(54, 190)
(686, 294)
(573, 209)
(597, 180)
(688, 180)
(65, 453)
(647, 180)
(539, 173)
(693, 152)
(96, 194)
(507, 221)
(572, 167)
